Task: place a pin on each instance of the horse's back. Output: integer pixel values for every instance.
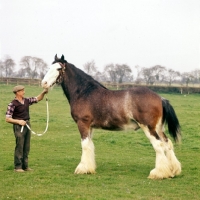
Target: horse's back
(144, 97)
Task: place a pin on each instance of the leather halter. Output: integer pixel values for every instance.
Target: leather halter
(61, 73)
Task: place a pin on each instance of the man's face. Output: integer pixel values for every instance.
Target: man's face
(21, 93)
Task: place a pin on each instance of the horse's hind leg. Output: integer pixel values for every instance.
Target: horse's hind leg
(87, 164)
(162, 165)
(175, 165)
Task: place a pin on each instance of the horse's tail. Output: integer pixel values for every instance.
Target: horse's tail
(169, 116)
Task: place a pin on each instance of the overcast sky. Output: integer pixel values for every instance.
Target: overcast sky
(132, 32)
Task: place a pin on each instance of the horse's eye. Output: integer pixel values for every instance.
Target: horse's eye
(59, 69)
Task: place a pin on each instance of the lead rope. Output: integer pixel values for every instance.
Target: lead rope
(47, 124)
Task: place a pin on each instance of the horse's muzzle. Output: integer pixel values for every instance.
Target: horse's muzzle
(44, 84)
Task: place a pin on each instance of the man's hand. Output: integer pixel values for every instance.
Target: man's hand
(41, 96)
(45, 91)
(22, 122)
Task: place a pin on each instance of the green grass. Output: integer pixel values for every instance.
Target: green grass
(124, 159)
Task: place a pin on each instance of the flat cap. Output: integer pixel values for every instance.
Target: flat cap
(18, 88)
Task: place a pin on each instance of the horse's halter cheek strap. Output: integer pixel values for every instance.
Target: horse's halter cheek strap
(62, 66)
(61, 72)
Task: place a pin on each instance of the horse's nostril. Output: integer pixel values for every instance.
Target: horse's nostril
(44, 82)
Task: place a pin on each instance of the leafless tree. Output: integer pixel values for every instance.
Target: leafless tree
(153, 74)
(1, 68)
(139, 73)
(9, 66)
(99, 76)
(187, 78)
(118, 73)
(32, 67)
(196, 76)
(110, 72)
(122, 71)
(25, 63)
(172, 76)
(148, 76)
(90, 68)
(158, 72)
(39, 68)
(21, 73)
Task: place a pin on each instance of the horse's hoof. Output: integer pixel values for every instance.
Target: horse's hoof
(175, 167)
(159, 174)
(83, 169)
(177, 171)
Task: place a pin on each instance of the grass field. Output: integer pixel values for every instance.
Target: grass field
(124, 159)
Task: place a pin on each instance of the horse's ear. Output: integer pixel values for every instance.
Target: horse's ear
(62, 57)
(56, 58)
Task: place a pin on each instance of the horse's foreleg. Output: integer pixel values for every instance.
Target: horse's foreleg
(87, 164)
(162, 165)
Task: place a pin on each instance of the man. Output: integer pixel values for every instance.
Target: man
(18, 115)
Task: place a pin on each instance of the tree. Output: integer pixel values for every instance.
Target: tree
(110, 72)
(39, 68)
(99, 76)
(187, 78)
(138, 76)
(118, 73)
(32, 67)
(196, 76)
(172, 75)
(9, 65)
(159, 72)
(90, 68)
(153, 74)
(1, 68)
(122, 71)
(148, 75)
(21, 73)
(25, 62)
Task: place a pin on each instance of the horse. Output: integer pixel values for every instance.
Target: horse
(94, 106)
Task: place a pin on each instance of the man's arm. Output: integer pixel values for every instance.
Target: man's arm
(41, 96)
(15, 121)
(9, 114)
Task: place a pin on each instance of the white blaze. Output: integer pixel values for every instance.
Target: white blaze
(51, 76)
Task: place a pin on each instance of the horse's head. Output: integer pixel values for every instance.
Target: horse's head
(55, 73)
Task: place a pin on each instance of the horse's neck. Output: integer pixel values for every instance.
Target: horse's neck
(70, 83)
(76, 82)
(66, 91)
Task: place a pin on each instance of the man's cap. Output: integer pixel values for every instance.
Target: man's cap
(18, 88)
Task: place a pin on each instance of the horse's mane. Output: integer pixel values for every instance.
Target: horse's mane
(83, 77)
(85, 83)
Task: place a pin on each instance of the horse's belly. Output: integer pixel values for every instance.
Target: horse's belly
(116, 125)
(132, 125)
(107, 126)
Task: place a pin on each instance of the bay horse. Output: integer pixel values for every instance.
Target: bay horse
(94, 106)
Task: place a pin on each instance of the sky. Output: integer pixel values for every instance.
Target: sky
(132, 32)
